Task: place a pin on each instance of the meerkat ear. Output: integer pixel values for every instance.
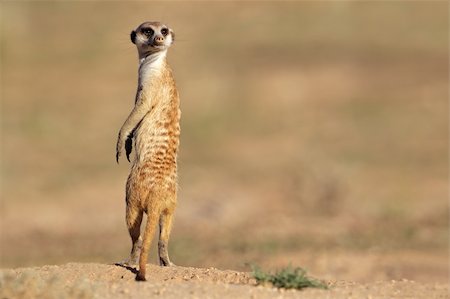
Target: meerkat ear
(133, 37)
(173, 36)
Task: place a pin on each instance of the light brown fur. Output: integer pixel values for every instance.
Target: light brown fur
(154, 124)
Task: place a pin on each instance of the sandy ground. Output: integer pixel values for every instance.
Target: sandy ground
(76, 280)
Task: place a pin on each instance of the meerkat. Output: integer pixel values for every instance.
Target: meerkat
(154, 124)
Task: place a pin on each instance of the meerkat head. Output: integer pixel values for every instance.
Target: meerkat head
(152, 37)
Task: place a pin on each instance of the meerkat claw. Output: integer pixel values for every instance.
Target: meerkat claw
(129, 146)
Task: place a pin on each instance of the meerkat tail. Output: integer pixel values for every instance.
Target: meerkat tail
(152, 220)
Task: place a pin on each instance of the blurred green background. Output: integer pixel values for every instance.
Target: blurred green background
(312, 132)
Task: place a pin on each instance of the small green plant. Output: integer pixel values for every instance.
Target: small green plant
(287, 278)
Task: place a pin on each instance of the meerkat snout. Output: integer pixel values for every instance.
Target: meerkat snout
(159, 39)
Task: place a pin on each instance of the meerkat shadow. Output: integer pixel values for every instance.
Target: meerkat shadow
(129, 268)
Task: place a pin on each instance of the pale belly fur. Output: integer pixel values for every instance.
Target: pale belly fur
(156, 146)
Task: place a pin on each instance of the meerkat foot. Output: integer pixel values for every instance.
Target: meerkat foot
(128, 263)
(133, 260)
(136, 252)
(164, 255)
(165, 263)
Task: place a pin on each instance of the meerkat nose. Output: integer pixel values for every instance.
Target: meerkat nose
(159, 39)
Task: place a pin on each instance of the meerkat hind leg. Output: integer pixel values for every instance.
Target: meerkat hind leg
(165, 226)
(134, 220)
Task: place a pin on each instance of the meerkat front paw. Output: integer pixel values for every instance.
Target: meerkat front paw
(128, 146)
(124, 143)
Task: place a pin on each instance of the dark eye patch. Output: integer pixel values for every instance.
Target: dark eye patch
(164, 31)
(147, 31)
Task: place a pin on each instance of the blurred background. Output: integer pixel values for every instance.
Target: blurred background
(313, 133)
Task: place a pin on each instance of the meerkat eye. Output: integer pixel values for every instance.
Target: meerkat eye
(165, 31)
(147, 31)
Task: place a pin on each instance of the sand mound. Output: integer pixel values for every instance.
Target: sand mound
(76, 280)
